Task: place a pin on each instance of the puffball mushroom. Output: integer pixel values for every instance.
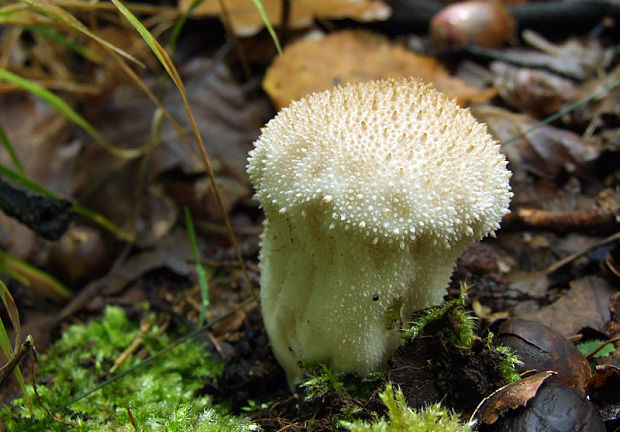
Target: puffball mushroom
(370, 192)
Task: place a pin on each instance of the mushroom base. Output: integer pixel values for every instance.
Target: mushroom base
(334, 297)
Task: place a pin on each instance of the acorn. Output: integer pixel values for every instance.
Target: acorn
(486, 24)
(79, 256)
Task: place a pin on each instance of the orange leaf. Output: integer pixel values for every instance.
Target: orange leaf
(312, 65)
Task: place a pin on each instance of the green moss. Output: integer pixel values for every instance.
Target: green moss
(160, 396)
(462, 323)
(509, 363)
(401, 418)
(321, 379)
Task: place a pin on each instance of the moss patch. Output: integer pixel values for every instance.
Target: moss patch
(161, 396)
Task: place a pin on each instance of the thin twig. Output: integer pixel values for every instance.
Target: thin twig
(558, 265)
(600, 347)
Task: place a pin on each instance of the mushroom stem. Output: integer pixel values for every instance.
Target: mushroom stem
(356, 294)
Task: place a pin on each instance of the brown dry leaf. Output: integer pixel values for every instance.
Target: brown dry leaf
(39, 137)
(534, 92)
(546, 152)
(225, 118)
(586, 304)
(509, 397)
(314, 64)
(228, 122)
(247, 21)
(229, 325)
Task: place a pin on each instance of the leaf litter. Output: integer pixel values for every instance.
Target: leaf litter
(560, 169)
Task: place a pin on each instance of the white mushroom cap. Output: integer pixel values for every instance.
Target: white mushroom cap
(391, 160)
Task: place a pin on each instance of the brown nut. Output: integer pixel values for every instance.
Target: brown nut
(79, 256)
(555, 408)
(477, 22)
(541, 348)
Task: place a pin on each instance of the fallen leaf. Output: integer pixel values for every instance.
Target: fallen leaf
(227, 121)
(246, 20)
(534, 92)
(318, 63)
(586, 304)
(604, 384)
(509, 397)
(546, 151)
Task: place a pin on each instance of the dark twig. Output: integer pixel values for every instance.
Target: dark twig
(567, 260)
(24, 349)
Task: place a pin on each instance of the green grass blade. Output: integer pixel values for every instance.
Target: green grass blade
(64, 108)
(64, 40)
(157, 49)
(11, 307)
(272, 32)
(9, 149)
(176, 31)
(563, 112)
(34, 278)
(79, 209)
(60, 15)
(166, 62)
(200, 270)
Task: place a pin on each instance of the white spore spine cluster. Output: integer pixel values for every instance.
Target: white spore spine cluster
(370, 193)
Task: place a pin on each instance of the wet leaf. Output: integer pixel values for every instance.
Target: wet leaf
(554, 408)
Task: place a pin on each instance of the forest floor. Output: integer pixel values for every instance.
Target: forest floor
(547, 87)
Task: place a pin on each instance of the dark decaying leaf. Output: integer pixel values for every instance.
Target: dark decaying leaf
(612, 260)
(575, 58)
(613, 327)
(604, 384)
(546, 152)
(586, 304)
(227, 122)
(534, 92)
